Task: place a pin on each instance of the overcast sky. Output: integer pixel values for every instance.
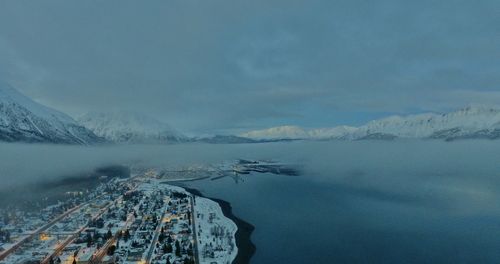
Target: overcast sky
(211, 66)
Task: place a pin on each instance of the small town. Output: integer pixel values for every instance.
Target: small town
(140, 220)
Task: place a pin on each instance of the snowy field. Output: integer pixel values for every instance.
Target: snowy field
(215, 233)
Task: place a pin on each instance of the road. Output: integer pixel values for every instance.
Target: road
(68, 241)
(37, 232)
(104, 249)
(155, 238)
(157, 233)
(195, 246)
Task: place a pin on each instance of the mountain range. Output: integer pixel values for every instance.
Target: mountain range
(23, 120)
(469, 122)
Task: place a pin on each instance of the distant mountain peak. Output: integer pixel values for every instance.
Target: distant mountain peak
(296, 132)
(130, 127)
(280, 132)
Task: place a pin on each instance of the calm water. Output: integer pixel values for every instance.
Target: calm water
(413, 202)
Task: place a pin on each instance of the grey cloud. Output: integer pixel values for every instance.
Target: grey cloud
(220, 65)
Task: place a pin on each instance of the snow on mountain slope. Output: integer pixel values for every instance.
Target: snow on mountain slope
(295, 132)
(469, 122)
(125, 127)
(463, 122)
(340, 132)
(22, 119)
(281, 132)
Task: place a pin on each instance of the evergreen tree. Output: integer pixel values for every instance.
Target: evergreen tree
(177, 248)
(168, 248)
(109, 234)
(89, 239)
(7, 236)
(164, 248)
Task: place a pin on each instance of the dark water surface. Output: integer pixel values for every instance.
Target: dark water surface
(374, 203)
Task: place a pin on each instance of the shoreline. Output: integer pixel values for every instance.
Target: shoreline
(167, 181)
(246, 248)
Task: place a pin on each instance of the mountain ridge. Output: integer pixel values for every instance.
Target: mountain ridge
(469, 122)
(130, 127)
(24, 120)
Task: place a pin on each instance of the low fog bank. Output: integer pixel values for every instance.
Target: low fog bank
(460, 177)
(410, 172)
(28, 164)
(22, 164)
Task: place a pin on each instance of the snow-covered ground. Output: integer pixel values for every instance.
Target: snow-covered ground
(215, 233)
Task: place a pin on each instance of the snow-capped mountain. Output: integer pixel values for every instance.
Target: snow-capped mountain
(340, 132)
(295, 132)
(22, 119)
(469, 122)
(126, 127)
(281, 132)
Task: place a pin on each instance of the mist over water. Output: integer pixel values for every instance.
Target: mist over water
(30, 163)
(355, 202)
(362, 163)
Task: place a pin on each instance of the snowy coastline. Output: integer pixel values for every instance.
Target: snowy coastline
(215, 233)
(210, 219)
(246, 249)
